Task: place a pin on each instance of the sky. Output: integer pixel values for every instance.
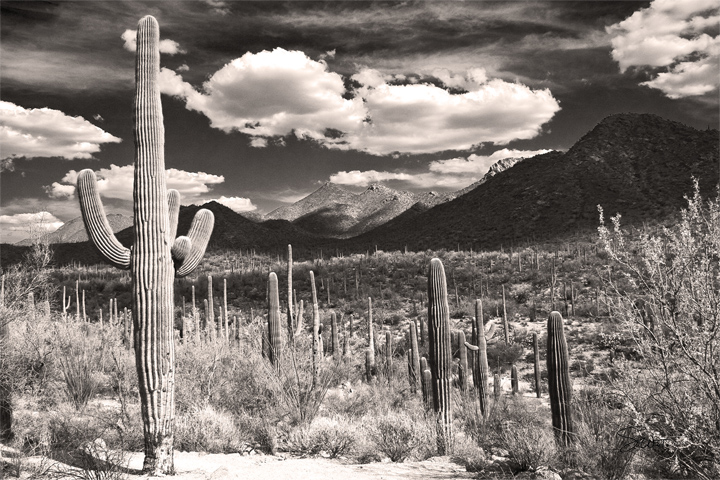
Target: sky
(265, 101)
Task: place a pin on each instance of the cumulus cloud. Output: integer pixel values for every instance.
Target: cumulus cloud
(673, 38)
(448, 174)
(238, 204)
(117, 182)
(170, 47)
(423, 118)
(274, 94)
(21, 225)
(44, 132)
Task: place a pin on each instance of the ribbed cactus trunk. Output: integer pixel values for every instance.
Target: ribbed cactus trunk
(426, 380)
(440, 354)
(559, 384)
(210, 319)
(274, 338)
(155, 258)
(151, 264)
(514, 380)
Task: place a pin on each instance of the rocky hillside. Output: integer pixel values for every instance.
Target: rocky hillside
(638, 165)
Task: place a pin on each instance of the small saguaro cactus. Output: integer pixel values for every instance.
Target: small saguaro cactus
(335, 341)
(463, 367)
(480, 366)
(440, 354)
(371, 335)
(536, 351)
(415, 372)
(274, 338)
(156, 256)
(316, 352)
(559, 384)
(514, 380)
(497, 390)
(388, 356)
(290, 320)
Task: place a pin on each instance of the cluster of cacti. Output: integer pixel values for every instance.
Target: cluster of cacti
(440, 354)
(156, 257)
(559, 384)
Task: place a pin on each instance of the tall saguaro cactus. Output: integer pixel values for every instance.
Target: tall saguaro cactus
(440, 353)
(156, 256)
(290, 293)
(559, 384)
(274, 337)
(316, 352)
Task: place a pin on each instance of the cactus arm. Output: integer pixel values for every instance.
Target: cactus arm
(173, 198)
(96, 223)
(180, 249)
(199, 236)
(474, 348)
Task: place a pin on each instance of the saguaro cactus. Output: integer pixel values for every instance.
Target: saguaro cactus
(415, 372)
(335, 341)
(154, 254)
(440, 354)
(371, 336)
(559, 384)
(536, 351)
(463, 369)
(290, 293)
(316, 352)
(274, 339)
(480, 365)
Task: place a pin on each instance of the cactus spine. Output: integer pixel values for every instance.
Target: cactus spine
(559, 384)
(153, 255)
(274, 338)
(440, 354)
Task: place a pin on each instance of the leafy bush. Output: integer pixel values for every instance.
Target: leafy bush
(396, 435)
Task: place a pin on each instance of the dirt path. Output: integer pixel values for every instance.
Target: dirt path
(197, 466)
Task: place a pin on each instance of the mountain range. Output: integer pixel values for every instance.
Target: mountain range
(638, 165)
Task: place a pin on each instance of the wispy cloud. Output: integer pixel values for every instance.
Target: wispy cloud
(674, 39)
(447, 175)
(22, 225)
(117, 183)
(44, 132)
(238, 204)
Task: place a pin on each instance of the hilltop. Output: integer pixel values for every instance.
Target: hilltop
(638, 165)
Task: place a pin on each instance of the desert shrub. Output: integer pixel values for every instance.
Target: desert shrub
(324, 435)
(205, 429)
(530, 444)
(674, 399)
(396, 435)
(81, 361)
(501, 355)
(600, 443)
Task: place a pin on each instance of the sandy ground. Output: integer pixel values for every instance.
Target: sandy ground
(201, 466)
